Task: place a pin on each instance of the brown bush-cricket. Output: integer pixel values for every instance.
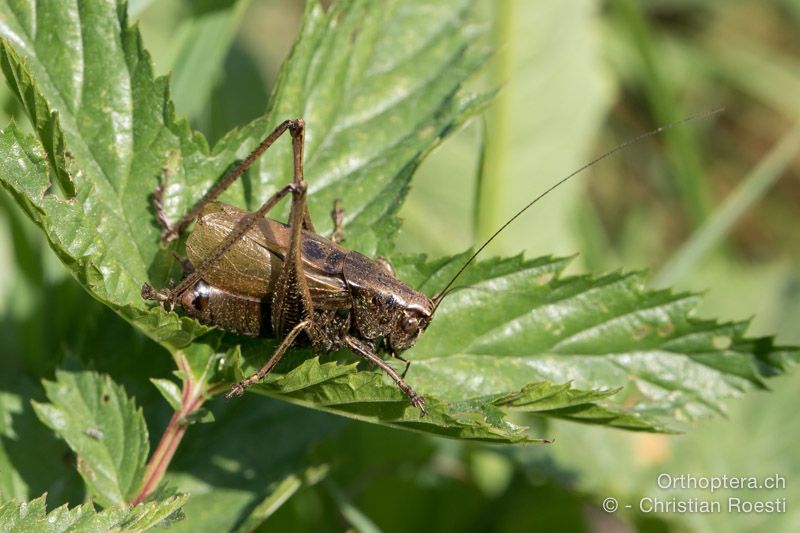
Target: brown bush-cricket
(258, 277)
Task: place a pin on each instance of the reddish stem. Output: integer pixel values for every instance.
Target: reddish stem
(192, 399)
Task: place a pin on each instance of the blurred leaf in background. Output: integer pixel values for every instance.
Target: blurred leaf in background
(578, 77)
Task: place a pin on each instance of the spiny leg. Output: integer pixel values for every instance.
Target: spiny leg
(171, 232)
(365, 351)
(239, 388)
(291, 300)
(296, 128)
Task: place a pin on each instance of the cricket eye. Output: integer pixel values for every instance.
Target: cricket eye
(410, 324)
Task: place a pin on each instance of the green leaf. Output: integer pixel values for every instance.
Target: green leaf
(370, 396)
(33, 516)
(25, 471)
(103, 427)
(170, 391)
(378, 86)
(117, 128)
(244, 466)
(519, 322)
(372, 115)
(205, 40)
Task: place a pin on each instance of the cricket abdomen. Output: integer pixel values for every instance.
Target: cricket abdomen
(243, 315)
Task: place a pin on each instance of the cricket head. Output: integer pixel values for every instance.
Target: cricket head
(393, 313)
(385, 309)
(411, 318)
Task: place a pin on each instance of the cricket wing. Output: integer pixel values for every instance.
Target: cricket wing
(252, 265)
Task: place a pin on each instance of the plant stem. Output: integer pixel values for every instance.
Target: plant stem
(488, 212)
(192, 398)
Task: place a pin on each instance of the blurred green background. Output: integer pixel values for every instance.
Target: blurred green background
(712, 205)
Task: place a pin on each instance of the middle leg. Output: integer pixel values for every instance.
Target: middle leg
(239, 388)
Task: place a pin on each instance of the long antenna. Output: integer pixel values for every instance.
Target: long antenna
(438, 298)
